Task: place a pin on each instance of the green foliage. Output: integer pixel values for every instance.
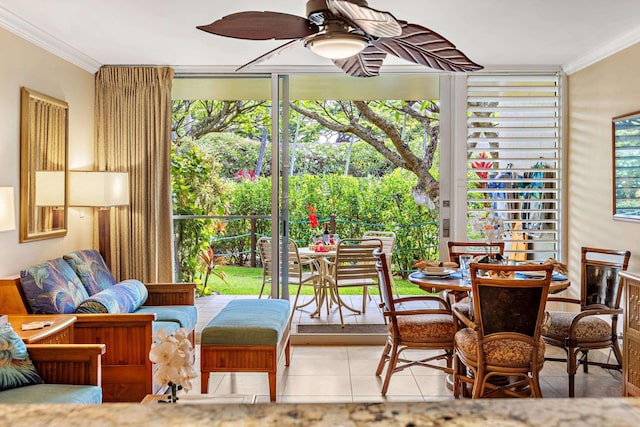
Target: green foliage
(234, 153)
(247, 281)
(360, 204)
(210, 265)
(197, 190)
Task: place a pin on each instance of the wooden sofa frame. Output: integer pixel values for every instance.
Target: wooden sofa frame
(127, 372)
(78, 364)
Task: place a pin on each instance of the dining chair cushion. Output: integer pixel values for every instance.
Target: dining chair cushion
(590, 328)
(426, 327)
(504, 352)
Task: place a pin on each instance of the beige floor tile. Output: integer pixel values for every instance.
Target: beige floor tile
(314, 366)
(315, 352)
(318, 385)
(368, 367)
(370, 385)
(404, 398)
(315, 399)
(431, 386)
(366, 352)
(242, 383)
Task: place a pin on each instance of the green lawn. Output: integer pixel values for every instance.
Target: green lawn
(247, 281)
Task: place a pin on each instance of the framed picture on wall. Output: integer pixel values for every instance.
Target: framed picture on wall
(626, 166)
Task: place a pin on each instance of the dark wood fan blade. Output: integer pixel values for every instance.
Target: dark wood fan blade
(425, 47)
(365, 64)
(289, 45)
(261, 26)
(373, 22)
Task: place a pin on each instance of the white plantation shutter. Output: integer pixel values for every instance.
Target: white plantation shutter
(514, 159)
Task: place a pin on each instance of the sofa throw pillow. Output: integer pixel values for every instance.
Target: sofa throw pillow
(123, 297)
(52, 287)
(16, 368)
(91, 269)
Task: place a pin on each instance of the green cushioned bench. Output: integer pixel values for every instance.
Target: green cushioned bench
(248, 335)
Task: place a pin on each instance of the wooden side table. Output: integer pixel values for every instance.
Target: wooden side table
(59, 332)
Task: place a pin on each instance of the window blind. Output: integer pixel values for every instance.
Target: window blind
(514, 160)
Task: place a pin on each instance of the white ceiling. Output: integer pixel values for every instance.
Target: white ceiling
(497, 34)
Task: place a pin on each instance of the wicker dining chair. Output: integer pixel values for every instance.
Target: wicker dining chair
(501, 351)
(578, 332)
(423, 322)
(460, 299)
(473, 248)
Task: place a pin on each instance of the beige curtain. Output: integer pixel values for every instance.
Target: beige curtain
(133, 134)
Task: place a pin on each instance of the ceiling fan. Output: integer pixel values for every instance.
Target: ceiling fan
(354, 36)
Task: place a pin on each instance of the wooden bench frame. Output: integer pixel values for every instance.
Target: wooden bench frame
(245, 358)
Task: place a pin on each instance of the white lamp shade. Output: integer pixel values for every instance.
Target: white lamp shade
(7, 209)
(50, 187)
(98, 189)
(337, 45)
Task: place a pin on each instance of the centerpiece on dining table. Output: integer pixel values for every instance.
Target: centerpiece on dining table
(321, 240)
(491, 226)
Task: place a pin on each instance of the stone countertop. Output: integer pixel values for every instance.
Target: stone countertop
(583, 412)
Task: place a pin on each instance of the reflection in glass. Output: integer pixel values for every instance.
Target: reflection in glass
(43, 163)
(626, 166)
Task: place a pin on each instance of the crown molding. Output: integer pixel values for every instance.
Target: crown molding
(29, 32)
(603, 51)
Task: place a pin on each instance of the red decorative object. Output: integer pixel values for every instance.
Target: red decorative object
(313, 219)
(482, 165)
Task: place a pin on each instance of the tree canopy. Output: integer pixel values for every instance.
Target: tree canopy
(405, 133)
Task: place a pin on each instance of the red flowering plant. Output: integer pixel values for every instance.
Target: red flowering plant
(242, 174)
(483, 174)
(316, 228)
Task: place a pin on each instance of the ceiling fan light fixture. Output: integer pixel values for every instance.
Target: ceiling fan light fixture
(337, 45)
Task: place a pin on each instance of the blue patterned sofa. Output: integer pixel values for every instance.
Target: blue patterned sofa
(122, 315)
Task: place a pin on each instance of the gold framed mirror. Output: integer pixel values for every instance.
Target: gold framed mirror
(44, 135)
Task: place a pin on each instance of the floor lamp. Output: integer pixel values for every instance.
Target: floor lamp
(7, 209)
(102, 190)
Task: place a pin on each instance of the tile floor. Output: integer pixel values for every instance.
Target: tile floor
(346, 373)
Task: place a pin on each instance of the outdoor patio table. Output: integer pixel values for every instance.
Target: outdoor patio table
(324, 297)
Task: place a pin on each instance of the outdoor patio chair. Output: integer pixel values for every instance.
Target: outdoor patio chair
(579, 332)
(301, 271)
(353, 266)
(500, 350)
(422, 322)
(388, 239)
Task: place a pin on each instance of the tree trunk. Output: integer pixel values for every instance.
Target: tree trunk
(263, 148)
